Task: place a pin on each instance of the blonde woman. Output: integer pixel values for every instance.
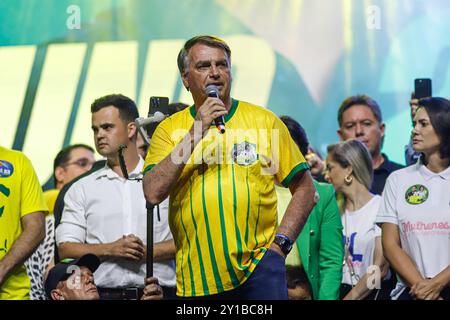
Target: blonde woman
(349, 169)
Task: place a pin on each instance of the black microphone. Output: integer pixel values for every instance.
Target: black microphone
(213, 92)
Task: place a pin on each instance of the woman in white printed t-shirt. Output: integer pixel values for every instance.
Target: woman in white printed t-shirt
(416, 225)
(349, 169)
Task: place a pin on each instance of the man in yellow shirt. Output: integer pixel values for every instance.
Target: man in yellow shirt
(223, 205)
(22, 210)
(71, 162)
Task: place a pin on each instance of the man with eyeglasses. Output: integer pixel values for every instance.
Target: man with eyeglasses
(71, 162)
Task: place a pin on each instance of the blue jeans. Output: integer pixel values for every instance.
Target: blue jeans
(267, 282)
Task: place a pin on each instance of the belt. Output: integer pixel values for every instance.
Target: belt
(170, 293)
(132, 293)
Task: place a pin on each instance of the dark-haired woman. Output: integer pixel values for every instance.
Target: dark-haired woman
(415, 209)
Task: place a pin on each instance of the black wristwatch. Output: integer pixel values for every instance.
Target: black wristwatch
(283, 242)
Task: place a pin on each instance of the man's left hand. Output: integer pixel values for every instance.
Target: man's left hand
(152, 290)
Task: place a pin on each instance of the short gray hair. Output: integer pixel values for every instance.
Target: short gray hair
(210, 41)
(354, 153)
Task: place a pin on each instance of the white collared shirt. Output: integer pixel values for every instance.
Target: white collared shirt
(422, 216)
(102, 207)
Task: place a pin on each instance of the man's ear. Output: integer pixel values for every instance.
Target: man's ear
(339, 133)
(60, 174)
(132, 130)
(56, 294)
(185, 80)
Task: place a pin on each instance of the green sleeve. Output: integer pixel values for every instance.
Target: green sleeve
(331, 248)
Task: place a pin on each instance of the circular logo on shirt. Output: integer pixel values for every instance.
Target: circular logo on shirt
(6, 169)
(244, 153)
(416, 194)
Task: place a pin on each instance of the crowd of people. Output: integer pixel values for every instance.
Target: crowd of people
(252, 212)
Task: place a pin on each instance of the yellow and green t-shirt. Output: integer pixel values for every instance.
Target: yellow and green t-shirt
(50, 197)
(20, 194)
(223, 208)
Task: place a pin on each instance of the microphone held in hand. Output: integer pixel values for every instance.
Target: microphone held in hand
(213, 92)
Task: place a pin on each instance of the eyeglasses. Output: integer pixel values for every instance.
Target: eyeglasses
(82, 163)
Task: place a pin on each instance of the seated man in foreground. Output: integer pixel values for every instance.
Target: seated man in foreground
(74, 280)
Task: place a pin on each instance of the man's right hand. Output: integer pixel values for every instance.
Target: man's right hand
(129, 247)
(316, 164)
(208, 111)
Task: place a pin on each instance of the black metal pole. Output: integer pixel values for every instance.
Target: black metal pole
(149, 260)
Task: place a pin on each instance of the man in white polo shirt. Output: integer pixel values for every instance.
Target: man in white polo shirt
(105, 214)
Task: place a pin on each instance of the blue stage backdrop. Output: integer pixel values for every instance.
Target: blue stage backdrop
(296, 57)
